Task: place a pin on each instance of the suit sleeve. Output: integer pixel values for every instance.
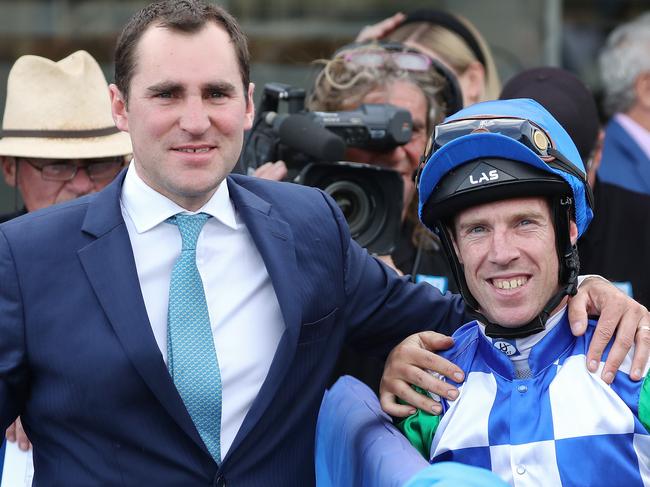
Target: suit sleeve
(13, 374)
(382, 308)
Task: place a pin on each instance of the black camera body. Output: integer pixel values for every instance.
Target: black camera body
(313, 144)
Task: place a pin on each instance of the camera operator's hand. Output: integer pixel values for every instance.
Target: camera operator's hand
(407, 365)
(380, 29)
(275, 171)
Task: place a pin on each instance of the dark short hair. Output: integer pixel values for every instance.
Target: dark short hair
(187, 16)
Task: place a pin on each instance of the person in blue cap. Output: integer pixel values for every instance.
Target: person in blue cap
(504, 188)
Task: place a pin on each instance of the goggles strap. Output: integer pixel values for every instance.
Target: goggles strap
(564, 164)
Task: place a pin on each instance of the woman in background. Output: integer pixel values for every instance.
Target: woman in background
(392, 73)
(450, 39)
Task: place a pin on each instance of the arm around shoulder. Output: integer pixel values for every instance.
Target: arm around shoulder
(382, 308)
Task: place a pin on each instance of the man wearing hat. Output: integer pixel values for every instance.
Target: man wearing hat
(58, 139)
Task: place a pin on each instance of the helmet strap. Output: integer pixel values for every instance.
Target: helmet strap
(536, 325)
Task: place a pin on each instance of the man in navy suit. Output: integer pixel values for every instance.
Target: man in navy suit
(84, 288)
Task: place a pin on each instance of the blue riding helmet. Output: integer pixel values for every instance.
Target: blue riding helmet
(498, 150)
(485, 144)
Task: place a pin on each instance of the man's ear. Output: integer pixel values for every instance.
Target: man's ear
(642, 90)
(9, 170)
(119, 108)
(250, 107)
(472, 82)
(573, 232)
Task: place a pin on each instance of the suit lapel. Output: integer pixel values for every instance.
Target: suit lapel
(110, 268)
(274, 241)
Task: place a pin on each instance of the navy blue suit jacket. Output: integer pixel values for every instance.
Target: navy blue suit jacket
(79, 362)
(623, 162)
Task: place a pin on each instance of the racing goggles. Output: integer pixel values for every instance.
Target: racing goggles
(379, 55)
(522, 130)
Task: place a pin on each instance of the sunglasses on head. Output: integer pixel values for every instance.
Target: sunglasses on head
(379, 56)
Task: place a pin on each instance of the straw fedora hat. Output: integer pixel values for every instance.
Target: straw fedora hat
(59, 110)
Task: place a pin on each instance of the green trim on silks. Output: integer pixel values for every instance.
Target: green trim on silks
(644, 403)
(419, 428)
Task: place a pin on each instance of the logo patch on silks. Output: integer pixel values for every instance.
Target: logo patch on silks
(507, 347)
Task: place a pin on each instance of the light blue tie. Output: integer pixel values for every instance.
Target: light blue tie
(191, 356)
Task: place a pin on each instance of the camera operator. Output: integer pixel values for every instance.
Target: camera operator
(380, 73)
(375, 73)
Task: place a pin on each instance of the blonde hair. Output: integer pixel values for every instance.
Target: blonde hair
(341, 84)
(452, 49)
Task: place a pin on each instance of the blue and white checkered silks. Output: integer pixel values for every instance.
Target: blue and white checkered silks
(191, 356)
(562, 426)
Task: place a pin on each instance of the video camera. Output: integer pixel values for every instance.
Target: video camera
(313, 144)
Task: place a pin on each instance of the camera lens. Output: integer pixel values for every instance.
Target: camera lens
(370, 198)
(353, 202)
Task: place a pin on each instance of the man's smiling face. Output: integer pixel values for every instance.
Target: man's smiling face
(507, 249)
(186, 112)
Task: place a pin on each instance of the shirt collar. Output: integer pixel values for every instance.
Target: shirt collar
(639, 134)
(148, 208)
(545, 346)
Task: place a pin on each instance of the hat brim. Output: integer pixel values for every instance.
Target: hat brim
(67, 148)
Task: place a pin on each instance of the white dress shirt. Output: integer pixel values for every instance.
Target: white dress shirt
(244, 312)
